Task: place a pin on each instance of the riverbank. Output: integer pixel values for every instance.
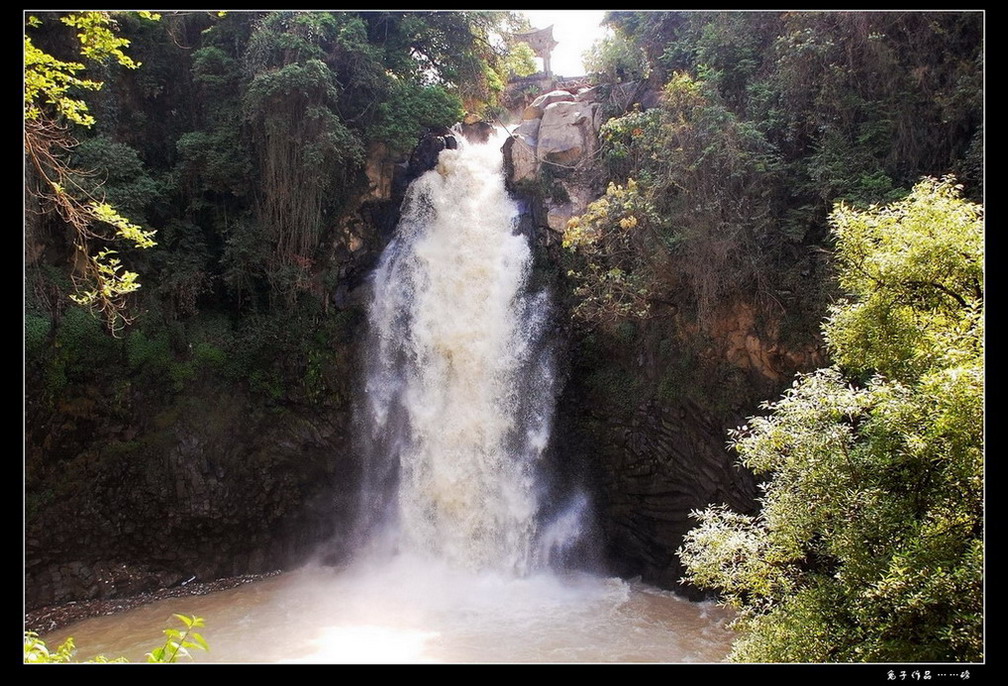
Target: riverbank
(48, 619)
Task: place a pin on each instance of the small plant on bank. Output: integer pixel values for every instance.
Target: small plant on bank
(176, 646)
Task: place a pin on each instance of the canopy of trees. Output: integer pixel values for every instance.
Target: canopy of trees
(765, 120)
(241, 140)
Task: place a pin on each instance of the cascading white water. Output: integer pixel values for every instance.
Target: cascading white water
(459, 388)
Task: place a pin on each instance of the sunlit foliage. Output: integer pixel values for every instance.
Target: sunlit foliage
(51, 105)
(869, 543)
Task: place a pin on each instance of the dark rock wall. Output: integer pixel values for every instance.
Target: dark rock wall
(667, 462)
(213, 485)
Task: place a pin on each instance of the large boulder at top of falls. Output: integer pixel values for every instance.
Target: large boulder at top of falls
(567, 134)
(539, 105)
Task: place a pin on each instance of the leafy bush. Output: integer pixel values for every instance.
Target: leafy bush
(409, 111)
(615, 58)
(869, 544)
(176, 646)
(83, 341)
(148, 355)
(37, 328)
(115, 171)
(693, 183)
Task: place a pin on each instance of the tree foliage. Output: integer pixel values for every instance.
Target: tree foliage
(520, 60)
(615, 58)
(697, 187)
(51, 104)
(300, 65)
(766, 119)
(864, 102)
(250, 130)
(176, 646)
(869, 543)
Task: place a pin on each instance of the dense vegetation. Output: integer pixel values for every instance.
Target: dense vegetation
(243, 137)
(867, 542)
(765, 120)
(236, 142)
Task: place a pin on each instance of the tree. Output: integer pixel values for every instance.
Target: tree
(520, 60)
(51, 105)
(695, 185)
(615, 58)
(869, 543)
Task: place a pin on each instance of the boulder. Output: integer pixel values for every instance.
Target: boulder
(539, 105)
(476, 131)
(528, 129)
(558, 213)
(587, 95)
(520, 152)
(425, 156)
(567, 134)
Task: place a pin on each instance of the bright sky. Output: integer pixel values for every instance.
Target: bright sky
(574, 31)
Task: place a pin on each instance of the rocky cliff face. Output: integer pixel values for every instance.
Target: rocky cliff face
(647, 411)
(209, 485)
(643, 420)
(134, 482)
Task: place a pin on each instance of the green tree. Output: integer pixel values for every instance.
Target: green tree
(869, 542)
(520, 60)
(615, 58)
(696, 187)
(52, 104)
(465, 52)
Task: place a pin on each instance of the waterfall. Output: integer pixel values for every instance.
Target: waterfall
(459, 390)
(454, 422)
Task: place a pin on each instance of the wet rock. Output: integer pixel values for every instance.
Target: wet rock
(425, 156)
(477, 131)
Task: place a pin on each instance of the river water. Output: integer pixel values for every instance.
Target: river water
(408, 610)
(462, 537)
